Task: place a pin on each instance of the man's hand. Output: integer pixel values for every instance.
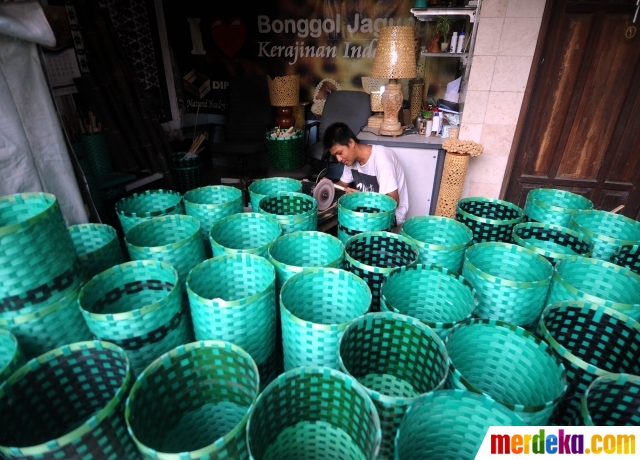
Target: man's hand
(346, 187)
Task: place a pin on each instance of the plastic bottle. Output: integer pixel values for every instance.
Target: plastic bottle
(435, 127)
(460, 43)
(454, 42)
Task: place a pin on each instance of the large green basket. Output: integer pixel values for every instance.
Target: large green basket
(133, 209)
(174, 239)
(212, 203)
(592, 341)
(397, 359)
(97, 246)
(512, 282)
(194, 403)
(611, 400)
(554, 206)
(554, 242)
(596, 281)
(607, 230)
(11, 358)
(294, 211)
(260, 188)
(436, 296)
(316, 306)
(232, 298)
(449, 425)
(508, 364)
(365, 212)
(313, 413)
(249, 232)
(137, 306)
(373, 255)
(489, 219)
(285, 153)
(440, 240)
(628, 256)
(68, 404)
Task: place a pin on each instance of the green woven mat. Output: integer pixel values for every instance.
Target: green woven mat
(260, 188)
(293, 211)
(489, 219)
(365, 212)
(553, 206)
(212, 203)
(249, 232)
(133, 209)
(97, 246)
(607, 230)
(11, 358)
(553, 242)
(611, 400)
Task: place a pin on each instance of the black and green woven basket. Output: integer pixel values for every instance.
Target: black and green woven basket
(133, 209)
(186, 170)
(68, 403)
(212, 203)
(11, 358)
(449, 425)
(628, 256)
(313, 413)
(194, 403)
(607, 230)
(249, 232)
(260, 188)
(293, 211)
(285, 153)
(440, 240)
(554, 242)
(554, 206)
(611, 400)
(96, 151)
(365, 212)
(397, 359)
(97, 246)
(489, 219)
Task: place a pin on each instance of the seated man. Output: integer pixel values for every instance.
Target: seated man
(373, 168)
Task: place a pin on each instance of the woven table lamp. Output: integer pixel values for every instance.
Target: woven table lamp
(284, 93)
(375, 87)
(395, 58)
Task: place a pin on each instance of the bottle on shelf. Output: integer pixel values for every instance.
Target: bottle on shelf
(453, 46)
(460, 48)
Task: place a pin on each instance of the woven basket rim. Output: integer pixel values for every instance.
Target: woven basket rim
(236, 192)
(105, 231)
(295, 217)
(298, 134)
(301, 234)
(507, 204)
(52, 207)
(135, 196)
(244, 216)
(371, 268)
(538, 202)
(556, 255)
(604, 215)
(268, 180)
(439, 219)
(140, 226)
(380, 197)
(614, 378)
(16, 351)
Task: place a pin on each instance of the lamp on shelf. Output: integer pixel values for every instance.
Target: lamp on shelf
(284, 94)
(395, 58)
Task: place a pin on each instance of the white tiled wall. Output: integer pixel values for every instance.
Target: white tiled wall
(506, 40)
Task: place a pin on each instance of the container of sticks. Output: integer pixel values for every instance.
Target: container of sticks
(185, 166)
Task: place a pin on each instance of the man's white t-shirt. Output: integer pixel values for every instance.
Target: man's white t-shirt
(382, 173)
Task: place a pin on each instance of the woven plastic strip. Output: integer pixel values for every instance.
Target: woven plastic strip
(175, 240)
(612, 400)
(397, 359)
(97, 246)
(11, 357)
(285, 153)
(249, 232)
(440, 240)
(194, 402)
(552, 241)
(294, 211)
(313, 413)
(35, 249)
(596, 281)
(607, 231)
(489, 219)
(365, 212)
(434, 295)
(553, 206)
(511, 282)
(260, 188)
(373, 255)
(137, 306)
(591, 340)
(316, 306)
(212, 203)
(297, 251)
(68, 403)
(508, 364)
(143, 206)
(449, 425)
(232, 298)
(627, 256)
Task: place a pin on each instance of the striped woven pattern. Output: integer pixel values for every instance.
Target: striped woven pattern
(611, 400)
(249, 232)
(294, 211)
(133, 209)
(260, 188)
(11, 358)
(553, 206)
(489, 219)
(365, 212)
(553, 242)
(212, 203)
(627, 256)
(607, 231)
(97, 246)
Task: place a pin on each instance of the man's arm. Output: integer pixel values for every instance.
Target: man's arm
(395, 195)
(346, 187)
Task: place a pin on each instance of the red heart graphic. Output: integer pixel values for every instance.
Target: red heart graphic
(228, 36)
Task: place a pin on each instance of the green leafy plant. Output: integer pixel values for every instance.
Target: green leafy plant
(443, 25)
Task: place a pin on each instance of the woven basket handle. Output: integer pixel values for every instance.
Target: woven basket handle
(318, 104)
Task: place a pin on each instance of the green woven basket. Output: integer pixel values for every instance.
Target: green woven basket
(489, 219)
(627, 256)
(285, 153)
(194, 403)
(553, 242)
(297, 251)
(313, 413)
(249, 232)
(186, 171)
(68, 404)
(212, 203)
(598, 282)
(174, 239)
(436, 296)
(607, 230)
(96, 151)
(512, 282)
(553, 206)
(611, 400)
(373, 255)
(232, 298)
(365, 212)
(592, 341)
(440, 240)
(260, 188)
(508, 364)
(36, 250)
(97, 246)
(11, 357)
(398, 359)
(136, 208)
(294, 211)
(316, 306)
(449, 425)
(137, 306)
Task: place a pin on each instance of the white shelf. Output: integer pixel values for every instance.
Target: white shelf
(422, 14)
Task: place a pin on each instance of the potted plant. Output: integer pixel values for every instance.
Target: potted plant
(443, 25)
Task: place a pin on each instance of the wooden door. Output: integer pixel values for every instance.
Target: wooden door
(580, 130)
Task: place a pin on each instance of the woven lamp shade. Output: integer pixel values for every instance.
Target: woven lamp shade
(395, 54)
(376, 101)
(284, 91)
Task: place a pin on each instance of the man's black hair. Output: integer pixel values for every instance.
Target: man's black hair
(338, 133)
